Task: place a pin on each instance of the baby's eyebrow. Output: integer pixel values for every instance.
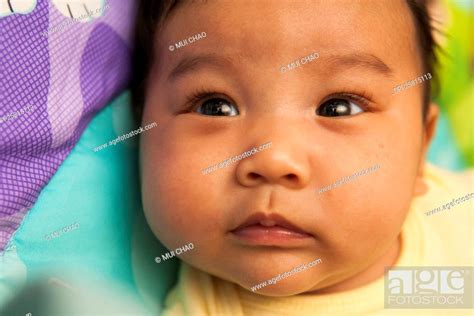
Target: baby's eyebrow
(193, 62)
(335, 62)
(358, 59)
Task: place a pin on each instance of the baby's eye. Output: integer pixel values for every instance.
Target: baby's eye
(217, 107)
(338, 107)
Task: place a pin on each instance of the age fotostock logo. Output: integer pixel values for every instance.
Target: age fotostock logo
(428, 287)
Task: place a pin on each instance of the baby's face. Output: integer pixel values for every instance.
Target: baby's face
(365, 48)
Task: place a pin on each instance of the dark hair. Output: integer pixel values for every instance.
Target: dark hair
(152, 14)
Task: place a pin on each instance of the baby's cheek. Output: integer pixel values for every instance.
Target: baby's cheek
(367, 219)
(182, 207)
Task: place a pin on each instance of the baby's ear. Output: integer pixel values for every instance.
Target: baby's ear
(429, 130)
(430, 125)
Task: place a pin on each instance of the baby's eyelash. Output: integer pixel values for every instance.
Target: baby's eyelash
(198, 96)
(363, 97)
(201, 94)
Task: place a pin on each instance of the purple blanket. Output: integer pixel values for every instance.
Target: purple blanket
(59, 66)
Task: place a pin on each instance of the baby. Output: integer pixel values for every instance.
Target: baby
(271, 233)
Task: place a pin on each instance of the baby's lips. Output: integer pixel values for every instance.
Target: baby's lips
(16, 7)
(273, 220)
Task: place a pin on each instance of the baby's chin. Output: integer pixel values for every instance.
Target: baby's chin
(277, 282)
(286, 287)
(280, 280)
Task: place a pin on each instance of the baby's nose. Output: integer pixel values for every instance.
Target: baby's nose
(277, 165)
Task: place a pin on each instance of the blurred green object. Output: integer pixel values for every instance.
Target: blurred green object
(455, 73)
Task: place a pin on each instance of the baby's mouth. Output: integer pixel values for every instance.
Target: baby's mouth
(270, 230)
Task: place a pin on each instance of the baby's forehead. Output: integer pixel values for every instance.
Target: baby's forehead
(268, 31)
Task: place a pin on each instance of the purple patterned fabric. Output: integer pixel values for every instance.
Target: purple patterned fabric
(50, 88)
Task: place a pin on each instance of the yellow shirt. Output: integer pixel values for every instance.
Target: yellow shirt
(444, 238)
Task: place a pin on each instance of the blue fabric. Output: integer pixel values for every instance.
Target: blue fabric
(443, 150)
